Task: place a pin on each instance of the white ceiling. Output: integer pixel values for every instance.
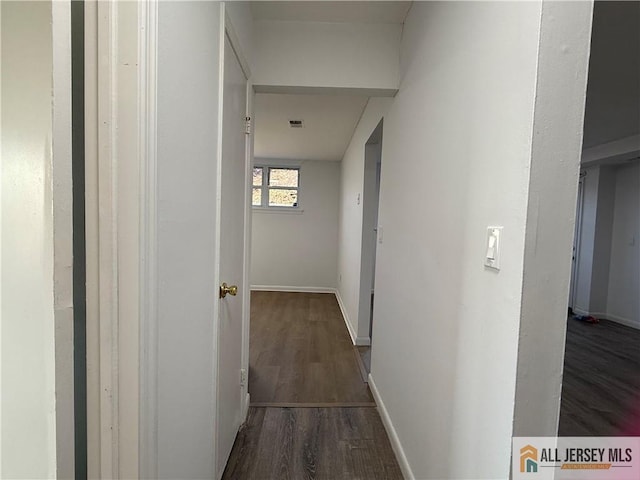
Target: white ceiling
(329, 122)
(327, 11)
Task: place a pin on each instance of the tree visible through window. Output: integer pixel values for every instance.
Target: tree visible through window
(275, 186)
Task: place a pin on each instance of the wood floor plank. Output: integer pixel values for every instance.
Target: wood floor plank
(601, 381)
(301, 352)
(314, 444)
(245, 444)
(316, 417)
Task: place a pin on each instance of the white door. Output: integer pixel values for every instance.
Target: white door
(232, 218)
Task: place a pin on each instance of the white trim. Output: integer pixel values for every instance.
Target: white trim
(148, 350)
(63, 239)
(363, 341)
(113, 260)
(1, 230)
(218, 470)
(345, 317)
(577, 240)
(391, 432)
(279, 210)
(246, 282)
(608, 316)
(245, 407)
(292, 289)
(621, 320)
(108, 238)
(94, 439)
(227, 32)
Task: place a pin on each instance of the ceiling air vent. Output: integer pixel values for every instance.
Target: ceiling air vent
(296, 123)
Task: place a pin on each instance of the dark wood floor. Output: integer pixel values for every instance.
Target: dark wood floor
(301, 353)
(312, 443)
(301, 358)
(601, 383)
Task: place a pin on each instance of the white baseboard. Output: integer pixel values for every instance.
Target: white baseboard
(608, 316)
(363, 341)
(345, 317)
(245, 407)
(621, 320)
(407, 473)
(284, 288)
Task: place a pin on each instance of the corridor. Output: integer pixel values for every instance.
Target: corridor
(311, 414)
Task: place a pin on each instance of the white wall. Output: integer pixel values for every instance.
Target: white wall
(299, 250)
(457, 149)
(602, 240)
(446, 175)
(608, 262)
(623, 302)
(187, 94)
(314, 54)
(28, 364)
(351, 215)
(563, 53)
(587, 241)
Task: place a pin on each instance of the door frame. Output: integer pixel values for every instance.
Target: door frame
(118, 199)
(227, 31)
(122, 401)
(575, 266)
(246, 281)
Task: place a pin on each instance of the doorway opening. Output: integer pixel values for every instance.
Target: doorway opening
(601, 378)
(576, 245)
(370, 237)
(301, 352)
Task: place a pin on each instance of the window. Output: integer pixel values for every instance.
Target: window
(276, 187)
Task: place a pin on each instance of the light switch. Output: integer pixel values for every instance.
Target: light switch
(492, 255)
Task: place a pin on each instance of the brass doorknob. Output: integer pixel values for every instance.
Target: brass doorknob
(230, 289)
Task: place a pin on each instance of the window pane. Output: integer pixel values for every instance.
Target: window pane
(257, 176)
(256, 195)
(283, 177)
(283, 198)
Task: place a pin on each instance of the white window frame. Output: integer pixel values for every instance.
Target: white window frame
(264, 188)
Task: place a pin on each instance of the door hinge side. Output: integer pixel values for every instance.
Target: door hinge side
(243, 377)
(247, 125)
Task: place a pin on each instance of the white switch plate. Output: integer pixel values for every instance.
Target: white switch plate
(493, 247)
